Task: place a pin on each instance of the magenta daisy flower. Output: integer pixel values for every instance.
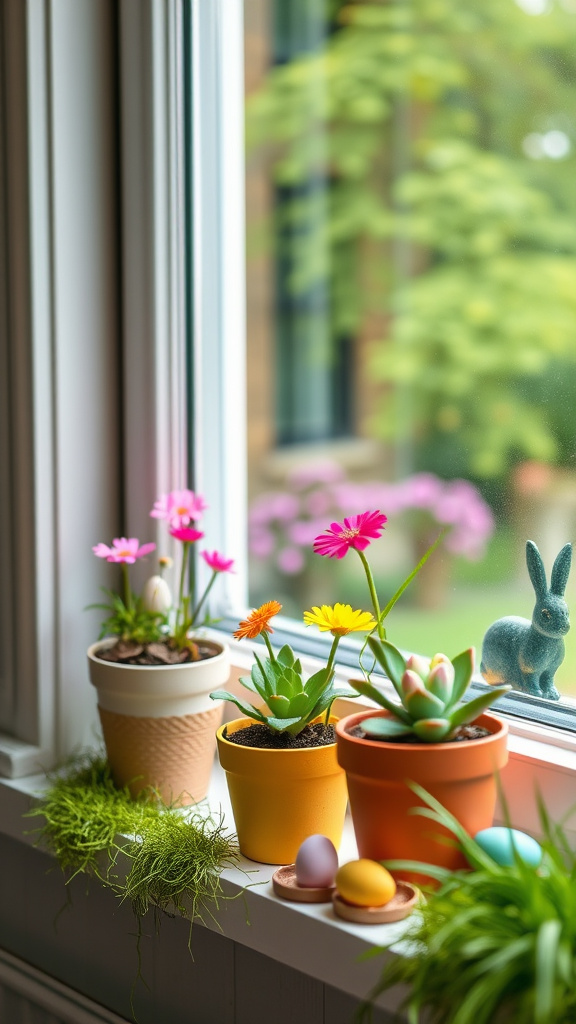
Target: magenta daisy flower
(217, 562)
(179, 508)
(355, 532)
(188, 534)
(124, 549)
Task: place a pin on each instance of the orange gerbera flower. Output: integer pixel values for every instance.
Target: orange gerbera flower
(258, 621)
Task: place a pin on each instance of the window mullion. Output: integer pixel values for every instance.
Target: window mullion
(218, 289)
(154, 373)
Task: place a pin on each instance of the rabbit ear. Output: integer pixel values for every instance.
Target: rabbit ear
(536, 569)
(561, 570)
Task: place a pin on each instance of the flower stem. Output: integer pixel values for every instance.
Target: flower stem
(268, 645)
(330, 664)
(185, 546)
(373, 594)
(196, 611)
(127, 591)
(329, 670)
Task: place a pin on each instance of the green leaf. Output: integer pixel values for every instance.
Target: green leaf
(248, 682)
(390, 659)
(289, 683)
(423, 705)
(300, 705)
(468, 712)
(316, 684)
(413, 866)
(322, 704)
(247, 709)
(285, 656)
(385, 728)
(463, 667)
(367, 690)
(283, 724)
(432, 730)
(547, 940)
(414, 573)
(267, 674)
(279, 705)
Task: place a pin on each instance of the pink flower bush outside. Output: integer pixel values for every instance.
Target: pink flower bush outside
(319, 492)
(124, 549)
(217, 562)
(179, 508)
(291, 561)
(355, 532)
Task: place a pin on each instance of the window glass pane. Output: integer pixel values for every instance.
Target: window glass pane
(411, 264)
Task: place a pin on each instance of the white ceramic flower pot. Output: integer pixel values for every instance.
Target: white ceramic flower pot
(159, 723)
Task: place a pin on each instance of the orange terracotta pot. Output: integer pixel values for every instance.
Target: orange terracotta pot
(460, 775)
(280, 797)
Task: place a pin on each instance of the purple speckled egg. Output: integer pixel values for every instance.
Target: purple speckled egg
(316, 863)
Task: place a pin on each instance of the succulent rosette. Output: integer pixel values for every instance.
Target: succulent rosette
(430, 693)
(278, 680)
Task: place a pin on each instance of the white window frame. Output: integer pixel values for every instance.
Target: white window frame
(59, 253)
(69, 270)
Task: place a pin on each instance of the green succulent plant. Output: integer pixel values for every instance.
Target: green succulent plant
(430, 694)
(293, 703)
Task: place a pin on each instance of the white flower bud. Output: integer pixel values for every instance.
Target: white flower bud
(156, 595)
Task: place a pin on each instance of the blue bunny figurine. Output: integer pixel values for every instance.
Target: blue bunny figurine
(528, 654)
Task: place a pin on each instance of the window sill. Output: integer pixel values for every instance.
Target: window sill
(309, 939)
(306, 938)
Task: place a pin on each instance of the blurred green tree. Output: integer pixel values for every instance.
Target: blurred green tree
(420, 116)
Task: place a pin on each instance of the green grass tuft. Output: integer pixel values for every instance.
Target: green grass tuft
(172, 857)
(494, 944)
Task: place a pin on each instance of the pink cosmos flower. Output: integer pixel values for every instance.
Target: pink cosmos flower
(217, 562)
(187, 534)
(124, 549)
(179, 508)
(355, 532)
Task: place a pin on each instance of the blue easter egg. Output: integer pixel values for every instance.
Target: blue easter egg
(500, 842)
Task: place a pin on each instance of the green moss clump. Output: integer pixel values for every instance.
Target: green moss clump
(172, 857)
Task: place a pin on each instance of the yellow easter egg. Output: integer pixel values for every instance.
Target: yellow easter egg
(365, 883)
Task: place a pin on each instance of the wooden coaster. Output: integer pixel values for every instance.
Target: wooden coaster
(285, 885)
(401, 904)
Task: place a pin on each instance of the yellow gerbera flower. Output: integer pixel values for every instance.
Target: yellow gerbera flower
(340, 619)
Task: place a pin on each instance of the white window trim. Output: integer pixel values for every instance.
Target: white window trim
(153, 293)
(219, 292)
(63, 340)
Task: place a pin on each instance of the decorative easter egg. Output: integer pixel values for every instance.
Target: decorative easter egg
(500, 842)
(365, 883)
(316, 862)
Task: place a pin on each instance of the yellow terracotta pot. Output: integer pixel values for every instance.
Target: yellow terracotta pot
(280, 797)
